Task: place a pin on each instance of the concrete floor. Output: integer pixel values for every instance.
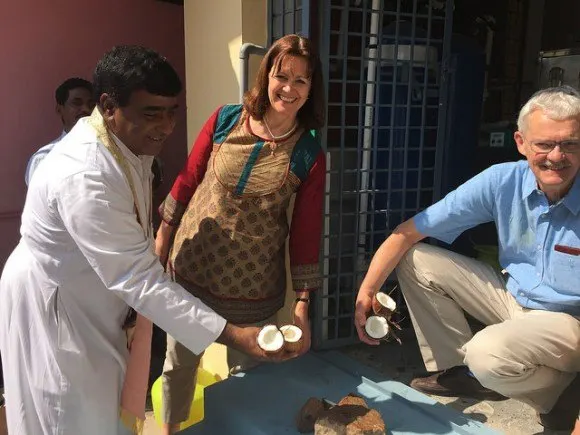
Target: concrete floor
(401, 362)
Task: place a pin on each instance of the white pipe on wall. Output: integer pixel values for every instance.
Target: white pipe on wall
(326, 249)
(368, 130)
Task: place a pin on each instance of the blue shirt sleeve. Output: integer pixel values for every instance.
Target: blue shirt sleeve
(471, 204)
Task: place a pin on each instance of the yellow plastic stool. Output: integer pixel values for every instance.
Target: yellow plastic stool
(204, 379)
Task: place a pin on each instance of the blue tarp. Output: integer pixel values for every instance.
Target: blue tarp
(265, 400)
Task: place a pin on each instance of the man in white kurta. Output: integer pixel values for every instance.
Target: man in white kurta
(82, 260)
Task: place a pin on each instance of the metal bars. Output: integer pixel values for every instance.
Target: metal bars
(286, 17)
(384, 66)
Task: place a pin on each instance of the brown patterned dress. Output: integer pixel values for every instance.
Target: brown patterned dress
(229, 247)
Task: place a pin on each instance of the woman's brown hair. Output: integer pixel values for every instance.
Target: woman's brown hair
(312, 114)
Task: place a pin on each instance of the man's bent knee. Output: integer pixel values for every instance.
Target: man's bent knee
(486, 356)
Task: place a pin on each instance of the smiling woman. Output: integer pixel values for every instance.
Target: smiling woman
(228, 208)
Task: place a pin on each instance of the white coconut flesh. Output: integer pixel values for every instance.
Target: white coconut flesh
(291, 333)
(386, 301)
(377, 327)
(270, 338)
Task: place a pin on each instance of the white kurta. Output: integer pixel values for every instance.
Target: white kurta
(65, 290)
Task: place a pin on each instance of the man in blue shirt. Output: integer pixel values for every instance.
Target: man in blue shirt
(531, 349)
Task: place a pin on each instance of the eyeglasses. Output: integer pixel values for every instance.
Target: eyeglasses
(566, 146)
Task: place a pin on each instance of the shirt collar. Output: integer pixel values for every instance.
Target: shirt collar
(571, 200)
(530, 184)
(127, 153)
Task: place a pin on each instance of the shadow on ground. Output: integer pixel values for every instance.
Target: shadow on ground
(403, 362)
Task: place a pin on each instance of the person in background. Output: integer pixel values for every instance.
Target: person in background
(74, 99)
(531, 349)
(228, 209)
(86, 255)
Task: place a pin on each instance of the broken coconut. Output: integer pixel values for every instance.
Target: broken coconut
(351, 416)
(308, 415)
(271, 339)
(377, 327)
(384, 305)
(292, 337)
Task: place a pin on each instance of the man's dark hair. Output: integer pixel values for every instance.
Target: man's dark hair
(129, 68)
(61, 93)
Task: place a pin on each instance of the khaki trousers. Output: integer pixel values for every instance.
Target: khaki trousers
(529, 355)
(180, 374)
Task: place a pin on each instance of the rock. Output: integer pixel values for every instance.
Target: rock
(308, 414)
(351, 416)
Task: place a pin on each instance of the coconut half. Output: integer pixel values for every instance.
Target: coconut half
(292, 337)
(377, 327)
(271, 339)
(384, 305)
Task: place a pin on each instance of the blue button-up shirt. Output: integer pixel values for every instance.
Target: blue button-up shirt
(529, 228)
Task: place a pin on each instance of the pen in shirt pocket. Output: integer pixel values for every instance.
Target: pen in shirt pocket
(567, 250)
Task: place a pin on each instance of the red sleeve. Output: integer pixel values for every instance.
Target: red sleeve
(306, 228)
(194, 170)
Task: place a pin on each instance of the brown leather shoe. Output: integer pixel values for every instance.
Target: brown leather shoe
(455, 382)
(565, 412)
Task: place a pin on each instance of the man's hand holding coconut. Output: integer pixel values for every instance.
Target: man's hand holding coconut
(250, 340)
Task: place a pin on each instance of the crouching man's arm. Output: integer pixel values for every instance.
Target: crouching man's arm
(383, 263)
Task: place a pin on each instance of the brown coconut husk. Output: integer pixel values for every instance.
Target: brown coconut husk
(351, 416)
(293, 346)
(297, 345)
(381, 310)
(308, 415)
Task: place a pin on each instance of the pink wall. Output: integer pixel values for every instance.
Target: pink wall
(43, 43)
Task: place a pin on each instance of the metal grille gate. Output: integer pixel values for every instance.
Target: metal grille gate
(386, 72)
(288, 16)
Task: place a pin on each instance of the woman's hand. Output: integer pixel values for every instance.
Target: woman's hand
(301, 320)
(245, 339)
